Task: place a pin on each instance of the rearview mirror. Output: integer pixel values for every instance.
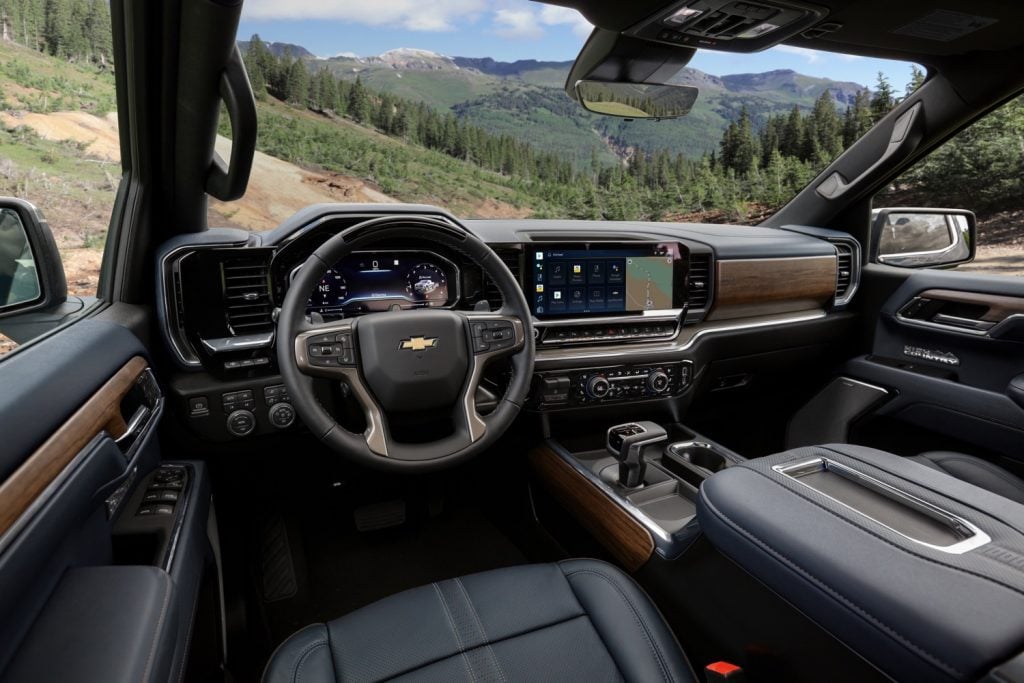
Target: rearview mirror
(619, 75)
(31, 272)
(923, 238)
(636, 100)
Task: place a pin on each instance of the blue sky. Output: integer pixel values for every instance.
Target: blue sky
(503, 29)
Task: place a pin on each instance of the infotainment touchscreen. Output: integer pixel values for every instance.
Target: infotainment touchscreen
(605, 279)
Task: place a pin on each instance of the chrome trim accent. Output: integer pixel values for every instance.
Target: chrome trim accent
(167, 301)
(243, 342)
(856, 266)
(476, 424)
(683, 342)
(447, 306)
(957, 524)
(181, 511)
(929, 325)
(667, 315)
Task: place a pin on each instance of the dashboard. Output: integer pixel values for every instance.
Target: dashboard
(373, 281)
(622, 311)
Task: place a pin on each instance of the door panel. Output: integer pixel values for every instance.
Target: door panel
(79, 413)
(947, 346)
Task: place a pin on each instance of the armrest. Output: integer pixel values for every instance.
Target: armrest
(101, 624)
(918, 572)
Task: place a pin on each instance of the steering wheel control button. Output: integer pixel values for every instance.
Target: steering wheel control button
(282, 415)
(241, 423)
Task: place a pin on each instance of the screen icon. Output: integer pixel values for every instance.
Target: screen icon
(540, 255)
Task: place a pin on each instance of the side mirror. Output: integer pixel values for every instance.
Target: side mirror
(923, 238)
(31, 272)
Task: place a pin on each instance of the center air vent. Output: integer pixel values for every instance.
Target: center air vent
(847, 269)
(510, 257)
(699, 289)
(247, 295)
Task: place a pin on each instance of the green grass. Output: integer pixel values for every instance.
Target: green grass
(54, 84)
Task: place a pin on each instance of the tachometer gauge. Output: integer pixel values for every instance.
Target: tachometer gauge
(427, 282)
(330, 292)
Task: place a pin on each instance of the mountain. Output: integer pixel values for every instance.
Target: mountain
(281, 49)
(525, 99)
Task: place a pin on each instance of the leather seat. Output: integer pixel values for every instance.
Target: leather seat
(974, 470)
(578, 620)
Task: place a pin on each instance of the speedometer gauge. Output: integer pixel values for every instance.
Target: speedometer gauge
(427, 283)
(330, 292)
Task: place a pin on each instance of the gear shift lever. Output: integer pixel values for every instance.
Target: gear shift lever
(626, 442)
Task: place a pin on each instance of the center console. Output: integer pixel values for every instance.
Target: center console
(917, 572)
(634, 486)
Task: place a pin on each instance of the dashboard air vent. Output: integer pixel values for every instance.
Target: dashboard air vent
(699, 290)
(247, 295)
(511, 259)
(847, 269)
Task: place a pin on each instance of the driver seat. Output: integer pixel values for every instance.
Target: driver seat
(575, 620)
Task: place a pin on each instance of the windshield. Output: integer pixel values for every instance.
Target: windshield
(467, 110)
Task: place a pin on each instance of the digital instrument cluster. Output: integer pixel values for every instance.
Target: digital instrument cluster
(367, 282)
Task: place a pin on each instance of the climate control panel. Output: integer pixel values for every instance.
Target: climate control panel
(571, 388)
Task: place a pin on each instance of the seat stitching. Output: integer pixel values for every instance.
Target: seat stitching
(500, 640)
(830, 590)
(158, 629)
(480, 625)
(458, 638)
(301, 659)
(636, 617)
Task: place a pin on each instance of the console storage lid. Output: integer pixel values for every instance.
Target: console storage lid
(920, 573)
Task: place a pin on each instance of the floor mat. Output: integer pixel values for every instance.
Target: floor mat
(342, 570)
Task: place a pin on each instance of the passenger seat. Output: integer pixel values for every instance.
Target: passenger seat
(974, 470)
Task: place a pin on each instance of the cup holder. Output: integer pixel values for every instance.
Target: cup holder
(693, 461)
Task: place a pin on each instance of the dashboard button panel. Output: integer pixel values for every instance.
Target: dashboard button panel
(574, 388)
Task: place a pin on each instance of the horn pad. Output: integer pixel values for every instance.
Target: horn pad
(414, 360)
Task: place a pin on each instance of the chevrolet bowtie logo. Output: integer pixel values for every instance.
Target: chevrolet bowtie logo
(418, 343)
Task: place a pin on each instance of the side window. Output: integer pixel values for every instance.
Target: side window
(59, 151)
(975, 177)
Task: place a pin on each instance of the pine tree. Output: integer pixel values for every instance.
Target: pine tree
(358, 102)
(883, 100)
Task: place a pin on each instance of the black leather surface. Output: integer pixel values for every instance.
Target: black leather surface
(579, 620)
(915, 612)
(69, 529)
(107, 624)
(975, 471)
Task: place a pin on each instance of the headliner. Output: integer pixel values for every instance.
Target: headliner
(868, 25)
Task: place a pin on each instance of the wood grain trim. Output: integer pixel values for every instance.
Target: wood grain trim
(102, 411)
(753, 287)
(624, 537)
(999, 307)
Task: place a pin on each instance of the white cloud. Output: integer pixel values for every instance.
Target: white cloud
(550, 15)
(517, 23)
(412, 15)
(812, 56)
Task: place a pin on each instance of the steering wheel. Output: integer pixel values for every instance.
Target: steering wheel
(409, 360)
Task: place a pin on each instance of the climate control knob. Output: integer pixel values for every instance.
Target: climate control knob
(598, 386)
(241, 423)
(657, 381)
